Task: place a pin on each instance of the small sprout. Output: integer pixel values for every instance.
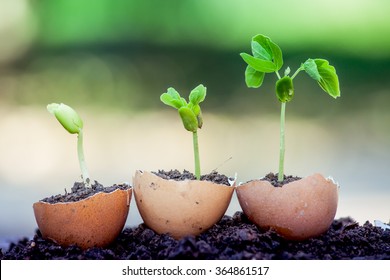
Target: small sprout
(190, 114)
(267, 58)
(67, 117)
(72, 122)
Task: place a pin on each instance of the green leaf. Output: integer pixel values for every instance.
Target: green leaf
(198, 94)
(285, 89)
(258, 64)
(277, 55)
(311, 69)
(189, 119)
(253, 78)
(268, 49)
(260, 52)
(267, 58)
(194, 108)
(168, 100)
(263, 41)
(173, 99)
(172, 92)
(329, 80)
(67, 117)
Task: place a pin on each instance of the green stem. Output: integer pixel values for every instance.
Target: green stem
(296, 72)
(196, 154)
(282, 144)
(83, 165)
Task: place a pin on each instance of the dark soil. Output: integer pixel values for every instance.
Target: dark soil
(80, 191)
(186, 175)
(232, 238)
(273, 179)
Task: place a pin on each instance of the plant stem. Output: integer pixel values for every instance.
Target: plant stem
(196, 154)
(277, 74)
(296, 72)
(282, 144)
(83, 165)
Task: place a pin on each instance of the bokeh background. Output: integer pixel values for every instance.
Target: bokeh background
(111, 60)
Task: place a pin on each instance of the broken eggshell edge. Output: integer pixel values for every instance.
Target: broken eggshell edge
(298, 210)
(95, 221)
(180, 208)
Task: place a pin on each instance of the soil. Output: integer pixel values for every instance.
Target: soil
(273, 179)
(80, 191)
(186, 175)
(232, 238)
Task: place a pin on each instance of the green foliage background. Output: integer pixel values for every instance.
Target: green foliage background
(124, 54)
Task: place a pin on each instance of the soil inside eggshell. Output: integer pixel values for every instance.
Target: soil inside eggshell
(273, 179)
(80, 191)
(176, 175)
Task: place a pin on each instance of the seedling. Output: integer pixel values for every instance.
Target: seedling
(190, 113)
(267, 58)
(72, 122)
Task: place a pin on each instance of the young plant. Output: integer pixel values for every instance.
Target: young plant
(190, 113)
(267, 58)
(72, 122)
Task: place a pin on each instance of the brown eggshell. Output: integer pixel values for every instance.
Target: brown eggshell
(92, 222)
(179, 208)
(297, 211)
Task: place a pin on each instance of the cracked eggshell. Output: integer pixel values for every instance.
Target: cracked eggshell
(299, 210)
(179, 208)
(92, 222)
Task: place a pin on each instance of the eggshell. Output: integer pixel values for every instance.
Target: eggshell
(92, 222)
(179, 208)
(297, 211)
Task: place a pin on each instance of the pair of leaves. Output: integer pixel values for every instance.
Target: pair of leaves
(267, 58)
(190, 113)
(67, 117)
(317, 69)
(325, 75)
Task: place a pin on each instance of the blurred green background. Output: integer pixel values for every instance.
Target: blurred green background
(111, 60)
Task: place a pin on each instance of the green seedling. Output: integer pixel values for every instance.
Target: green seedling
(190, 114)
(72, 122)
(267, 58)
